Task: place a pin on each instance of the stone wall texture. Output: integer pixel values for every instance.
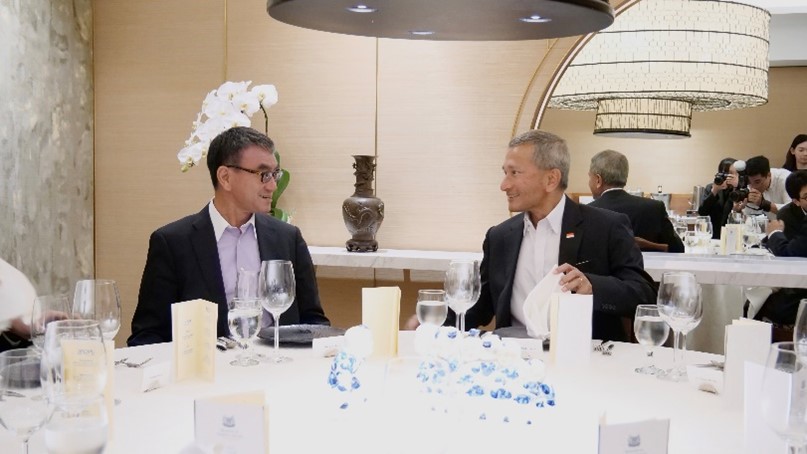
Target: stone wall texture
(46, 141)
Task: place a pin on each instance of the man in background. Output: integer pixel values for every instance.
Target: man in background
(652, 229)
(199, 256)
(594, 247)
(766, 188)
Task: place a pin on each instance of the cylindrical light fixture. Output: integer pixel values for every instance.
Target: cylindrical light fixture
(680, 55)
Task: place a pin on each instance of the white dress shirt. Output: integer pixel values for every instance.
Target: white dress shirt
(776, 194)
(538, 254)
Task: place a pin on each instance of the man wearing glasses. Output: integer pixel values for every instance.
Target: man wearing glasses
(199, 256)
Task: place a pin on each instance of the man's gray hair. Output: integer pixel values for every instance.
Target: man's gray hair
(612, 166)
(550, 152)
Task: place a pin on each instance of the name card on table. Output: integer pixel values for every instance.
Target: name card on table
(758, 437)
(233, 423)
(380, 311)
(84, 363)
(155, 376)
(746, 340)
(641, 437)
(731, 239)
(194, 339)
(570, 329)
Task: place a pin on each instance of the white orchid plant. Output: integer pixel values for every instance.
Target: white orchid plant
(231, 105)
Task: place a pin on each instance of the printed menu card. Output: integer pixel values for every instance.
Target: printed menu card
(232, 423)
(194, 339)
(380, 312)
(570, 329)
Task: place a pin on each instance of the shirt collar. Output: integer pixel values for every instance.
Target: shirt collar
(612, 189)
(554, 218)
(220, 224)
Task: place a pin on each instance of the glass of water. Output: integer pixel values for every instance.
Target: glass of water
(23, 407)
(77, 427)
(432, 306)
(651, 331)
(244, 315)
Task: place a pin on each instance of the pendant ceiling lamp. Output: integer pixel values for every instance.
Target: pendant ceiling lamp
(663, 59)
(447, 20)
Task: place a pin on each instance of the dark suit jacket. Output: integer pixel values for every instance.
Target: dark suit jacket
(717, 207)
(614, 268)
(183, 264)
(793, 217)
(648, 217)
(781, 246)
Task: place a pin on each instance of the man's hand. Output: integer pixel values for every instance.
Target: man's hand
(574, 280)
(774, 226)
(647, 245)
(755, 197)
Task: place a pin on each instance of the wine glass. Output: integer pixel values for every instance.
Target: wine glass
(651, 331)
(751, 233)
(462, 286)
(691, 240)
(800, 331)
(784, 396)
(47, 308)
(703, 228)
(244, 315)
(99, 300)
(73, 361)
(431, 306)
(277, 290)
(23, 407)
(679, 302)
(77, 427)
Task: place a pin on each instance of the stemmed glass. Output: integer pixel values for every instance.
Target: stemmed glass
(431, 306)
(462, 286)
(277, 290)
(73, 361)
(784, 396)
(800, 331)
(78, 427)
(47, 308)
(23, 407)
(679, 302)
(703, 229)
(751, 233)
(99, 300)
(244, 315)
(651, 331)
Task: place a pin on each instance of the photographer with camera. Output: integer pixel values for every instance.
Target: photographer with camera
(765, 192)
(717, 204)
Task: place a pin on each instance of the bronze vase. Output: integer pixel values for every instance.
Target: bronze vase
(363, 212)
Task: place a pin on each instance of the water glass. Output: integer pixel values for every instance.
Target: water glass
(47, 308)
(244, 320)
(99, 300)
(784, 396)
(277, 291)
(462, 286)
(23, 407)
(73, 361)
(679, 302)
(77, 427)
(431, 306)
(800, 331)
(651, 331)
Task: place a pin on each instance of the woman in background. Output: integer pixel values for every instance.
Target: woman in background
(717, 204)
(796, 157)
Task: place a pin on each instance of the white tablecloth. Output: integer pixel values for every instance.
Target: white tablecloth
(304, 417)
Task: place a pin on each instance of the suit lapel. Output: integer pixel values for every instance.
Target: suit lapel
(266, 238)
(511, 247)
(571, 233)
(203, 240)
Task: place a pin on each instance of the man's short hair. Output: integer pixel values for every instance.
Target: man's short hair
(612, 166)
(550, 152)
(225, 149)
(758, 165)
(795, 182)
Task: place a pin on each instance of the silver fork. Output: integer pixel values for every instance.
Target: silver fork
(608, 350)
(136, 365)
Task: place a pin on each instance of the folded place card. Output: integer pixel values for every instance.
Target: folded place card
(706, 377)
(327, 346)
(536, 305)
(237, 423)
(731, 239)
(758, 437)
(155, 376)
(746, 340)
(84, 361)
(380, 311)
(194, 339)
(641, 437)
(570, 329)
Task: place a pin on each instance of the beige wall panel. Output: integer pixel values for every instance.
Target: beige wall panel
(680, 164)
(325, 112)
(154, 63)
(446, 112)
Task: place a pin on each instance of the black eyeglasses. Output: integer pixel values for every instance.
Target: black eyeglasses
(265, 175)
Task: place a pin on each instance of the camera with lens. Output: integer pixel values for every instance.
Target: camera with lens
(740, 193)
(720, 178)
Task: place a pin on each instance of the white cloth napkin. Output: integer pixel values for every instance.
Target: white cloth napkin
(536, 306)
